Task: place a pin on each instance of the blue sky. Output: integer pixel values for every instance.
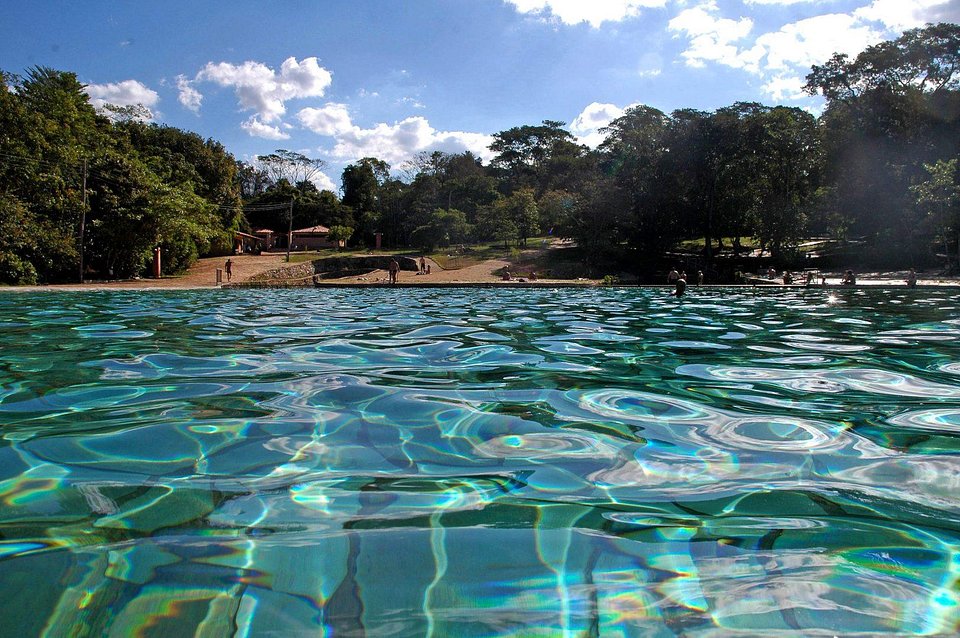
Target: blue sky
(341, 80)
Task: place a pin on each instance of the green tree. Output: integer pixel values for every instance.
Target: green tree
(362, 183)
(939, 200)
(444, 227)
(524, 153)
(888, 115)
(340, 235)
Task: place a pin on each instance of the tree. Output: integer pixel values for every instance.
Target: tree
(939, 199)
(443, 228)
(787, 175)
(635, 205)
(290, 165)
(340, 235)
(362, 183)
(890, 112)
(524, 153)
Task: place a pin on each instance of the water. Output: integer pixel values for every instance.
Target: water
(601, 462)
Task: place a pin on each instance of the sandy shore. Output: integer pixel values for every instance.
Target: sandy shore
(204, 275)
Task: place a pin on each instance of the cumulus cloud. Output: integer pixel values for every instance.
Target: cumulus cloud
(783, 57)
(395, 143)
(900, 15)
(812, 41)
(789, 87)
(712, 38)
(265, 91)
(188, 96)
(126, 93)
(586, 126)
(594, 12)
(255, 128)
(323, 182)
(330, 119)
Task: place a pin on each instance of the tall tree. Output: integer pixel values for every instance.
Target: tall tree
(362, 182)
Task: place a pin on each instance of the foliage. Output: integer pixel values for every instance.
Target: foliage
(146, 185)
(879, 166)
(443, 228)
(340, 234)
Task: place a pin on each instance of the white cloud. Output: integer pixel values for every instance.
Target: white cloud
(586, 126)
(188, 96)
(126, 93)
(412, 102)
(900, 15)
(781, 2)
(255, 128)
(401, 141)
(712, 38)
(594, 12)
(812, 41)
(323, 182)
(788, 87)
(331, 119)
(779, 57)
(261, 89)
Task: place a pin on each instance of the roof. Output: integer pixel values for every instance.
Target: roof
(313, 230)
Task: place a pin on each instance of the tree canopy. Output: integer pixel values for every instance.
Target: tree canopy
(879, 165)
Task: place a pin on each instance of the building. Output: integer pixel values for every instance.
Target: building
(312, 238)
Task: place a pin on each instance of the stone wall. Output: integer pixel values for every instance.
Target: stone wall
(331, 267)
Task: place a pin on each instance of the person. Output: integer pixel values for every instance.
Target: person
(680, 289)
(507, 276)
(423, 266)
(228, 268)
(699, 277)
(787, 278)
(912, 278)
(771, 273)
(672, 276)
(848, 279)
(533, 275)
(683, 275)
(394, 270)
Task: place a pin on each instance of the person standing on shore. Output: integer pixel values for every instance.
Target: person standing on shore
(228, 268)
(912, 279)
(394, 270)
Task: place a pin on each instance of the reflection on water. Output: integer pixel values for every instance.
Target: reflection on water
(481, 462)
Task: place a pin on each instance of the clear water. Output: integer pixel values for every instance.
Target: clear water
(535, 462)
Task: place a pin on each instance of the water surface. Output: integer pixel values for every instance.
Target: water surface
(538, 462)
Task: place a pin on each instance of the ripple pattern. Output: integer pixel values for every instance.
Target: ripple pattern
(480, 462)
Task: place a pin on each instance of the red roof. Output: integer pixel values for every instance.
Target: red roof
(313, 230)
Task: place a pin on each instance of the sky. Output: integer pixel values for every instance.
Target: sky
(340, 80)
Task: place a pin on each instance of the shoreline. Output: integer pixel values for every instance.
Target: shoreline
(142, 286)
(246, 268)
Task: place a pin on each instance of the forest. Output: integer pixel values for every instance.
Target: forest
(87, 193)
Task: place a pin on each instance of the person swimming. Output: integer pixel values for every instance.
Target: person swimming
(680, 289)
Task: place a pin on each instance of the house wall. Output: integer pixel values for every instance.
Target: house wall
(311, 242)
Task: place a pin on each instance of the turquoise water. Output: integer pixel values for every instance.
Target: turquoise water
(598, 462)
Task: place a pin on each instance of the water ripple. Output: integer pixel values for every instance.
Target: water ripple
(740, 462)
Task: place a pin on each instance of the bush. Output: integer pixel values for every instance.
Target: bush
(16, 271)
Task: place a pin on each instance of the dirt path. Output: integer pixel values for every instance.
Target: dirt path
(203, 274)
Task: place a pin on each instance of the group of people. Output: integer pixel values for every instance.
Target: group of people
(679, 280)
(508, 276)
